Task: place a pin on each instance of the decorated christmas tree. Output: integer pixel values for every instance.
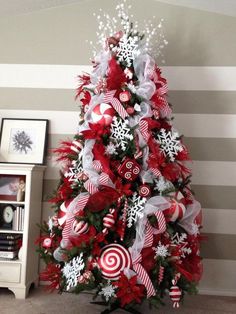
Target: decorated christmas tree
(126, 224)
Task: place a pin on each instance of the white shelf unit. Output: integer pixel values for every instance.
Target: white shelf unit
(18, 275)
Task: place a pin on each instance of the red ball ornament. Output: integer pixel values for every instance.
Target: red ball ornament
(79, 227)
(175, 211)
(130, 110)
(144, 190)
(125, 96)
(102, 113)
(129, 169)
(113, 260)
(175, 295)
(47, 243)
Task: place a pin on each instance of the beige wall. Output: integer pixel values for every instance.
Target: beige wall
(200, 60)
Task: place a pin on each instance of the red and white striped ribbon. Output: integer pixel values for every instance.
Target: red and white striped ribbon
(156, 172)
(143, 276)
(109, 98)
(97, 165)
(104, 178)
(76, 146)
(149, 230)
(90, 187)
(144, 130)
(71, 216)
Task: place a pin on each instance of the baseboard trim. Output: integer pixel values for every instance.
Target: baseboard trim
(224, 293)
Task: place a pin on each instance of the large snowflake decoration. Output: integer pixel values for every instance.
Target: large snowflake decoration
(127, 50)
(135, 210)
(75, 169)
(161, 250)
(108, 291)
(120, 131)
(22, 142)
(162, 185)
(169, 143)
(181, 240)
(72, 270)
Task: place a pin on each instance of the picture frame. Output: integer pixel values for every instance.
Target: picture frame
(23, 140)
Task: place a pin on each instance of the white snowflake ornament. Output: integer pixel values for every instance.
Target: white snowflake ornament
(161, 250)
(161, 184)
(75, 169)
(169, 143)
(111, 149)
(127, 49)
(120, 131)
(180, 239)
(135, 210)
(108, 291)
(72, 271)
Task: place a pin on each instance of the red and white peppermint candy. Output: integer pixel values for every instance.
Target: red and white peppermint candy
(175, 211)
(175, 295)
(79, 227)
(125, 96)
(144, 190)
(47, 243)
(114, 259)
(102, 113)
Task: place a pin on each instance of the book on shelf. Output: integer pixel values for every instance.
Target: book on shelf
(10, 241)
(9, 247)
(9, 254)
(10, 236)
(18, 218)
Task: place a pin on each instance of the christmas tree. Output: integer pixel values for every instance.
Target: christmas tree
(126, 224)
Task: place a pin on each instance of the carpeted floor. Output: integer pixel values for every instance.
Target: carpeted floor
(41, 302)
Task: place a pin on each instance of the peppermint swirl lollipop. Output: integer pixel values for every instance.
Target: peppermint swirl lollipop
(113, 260)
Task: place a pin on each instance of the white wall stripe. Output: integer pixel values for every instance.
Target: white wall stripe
(206, 125)
(221, 173)
(221, 221)
(65, 76)
(190, 125)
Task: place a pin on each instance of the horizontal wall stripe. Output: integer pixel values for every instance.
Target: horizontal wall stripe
(219, 246)
(66, 76)
(210, 196)
(221, 221)
(204, 172)
(217, 102)
(217, 197)
(38, 99)
(190, 125)
(211, 149)
(206, 125)
(195, 37)
(219, 277)
(205, 102)
(214, 173)
(65, 122)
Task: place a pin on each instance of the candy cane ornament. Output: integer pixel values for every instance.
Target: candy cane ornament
(109, 220)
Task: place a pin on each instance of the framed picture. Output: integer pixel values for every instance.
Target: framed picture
(23, 141)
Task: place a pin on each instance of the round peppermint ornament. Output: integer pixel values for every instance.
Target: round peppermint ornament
(144, 190)
(102, 113)
(124, 96)
(113, 260)
(79, 227)
(175, 211)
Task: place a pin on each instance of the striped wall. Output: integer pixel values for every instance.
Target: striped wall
(44, 52)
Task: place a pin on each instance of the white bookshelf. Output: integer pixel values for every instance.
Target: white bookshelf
(17, 275)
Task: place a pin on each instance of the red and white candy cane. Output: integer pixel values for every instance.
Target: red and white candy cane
(124, 218)
(109, 220)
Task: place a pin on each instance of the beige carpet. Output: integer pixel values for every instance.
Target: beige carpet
(41, 302)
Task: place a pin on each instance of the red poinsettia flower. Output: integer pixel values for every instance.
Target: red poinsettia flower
(128, 290)
(96, 131)
(116, 76)
(148, 260)
(52, 274)
(123, 189)
(85, 238)
(63, 193)
(86, 98)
